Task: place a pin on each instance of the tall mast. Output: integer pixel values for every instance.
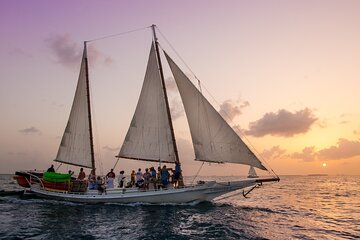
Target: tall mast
(89, 108)
(165, 94)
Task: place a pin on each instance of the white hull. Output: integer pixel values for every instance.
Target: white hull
(191, 194)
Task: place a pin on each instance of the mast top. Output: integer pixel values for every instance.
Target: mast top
(154, 32)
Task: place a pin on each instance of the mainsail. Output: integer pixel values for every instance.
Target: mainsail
(76, 144)
(149, 136)
(213, 139)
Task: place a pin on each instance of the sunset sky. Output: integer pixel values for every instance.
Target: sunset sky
(287, 74)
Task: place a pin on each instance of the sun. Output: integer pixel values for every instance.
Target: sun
(324, 164)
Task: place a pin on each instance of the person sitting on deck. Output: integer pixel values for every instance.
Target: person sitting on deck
(121, 179)
(92, 180)
(110, 179)
(100, 185)
(82, 174)
(164, 177)
(51, 169)
(139, 179)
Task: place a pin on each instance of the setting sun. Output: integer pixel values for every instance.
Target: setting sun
(324, 164)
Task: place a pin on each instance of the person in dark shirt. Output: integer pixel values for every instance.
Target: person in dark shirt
(51, 169)
(164, 177)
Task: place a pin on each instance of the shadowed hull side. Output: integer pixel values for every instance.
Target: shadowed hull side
(198, 193)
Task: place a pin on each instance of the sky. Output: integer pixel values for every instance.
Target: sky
(284, 74)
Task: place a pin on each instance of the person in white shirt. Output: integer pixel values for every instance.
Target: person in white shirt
(121, 179)
(139, 178)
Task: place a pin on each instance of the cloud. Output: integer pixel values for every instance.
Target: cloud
(283, 123)
(111, 149)
(19, 52)
(344, 149)
(230, 109)
(308, 154)
(273, 153)
(68, 52)
(240, 131)
(30, 131)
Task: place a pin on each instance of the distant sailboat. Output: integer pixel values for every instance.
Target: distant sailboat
(252, 173)
(151, 137)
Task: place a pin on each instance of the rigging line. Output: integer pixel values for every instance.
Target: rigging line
(197, 173)
(181, 59)
(268, 165)
(117, 34)
(58, 166)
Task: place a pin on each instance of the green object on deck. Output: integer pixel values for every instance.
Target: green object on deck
(56, 177)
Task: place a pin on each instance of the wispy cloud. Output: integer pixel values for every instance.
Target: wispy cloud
(68, 52)
(308, 154)
(342, 150)
(19, 52)
(283, 123)
(273, 153)
(30, 131)
(230, 109)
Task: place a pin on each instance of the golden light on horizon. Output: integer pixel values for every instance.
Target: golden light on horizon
(324, 164)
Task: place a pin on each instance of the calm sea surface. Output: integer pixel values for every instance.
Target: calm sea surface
(298, 207)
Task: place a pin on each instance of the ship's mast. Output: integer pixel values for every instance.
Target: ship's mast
(165, 93)
(89, 109)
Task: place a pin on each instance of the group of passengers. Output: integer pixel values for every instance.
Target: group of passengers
(159, 179)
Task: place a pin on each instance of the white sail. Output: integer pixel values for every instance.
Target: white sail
(252, 172)
(213, 139)
(149, 135)
(75, 146)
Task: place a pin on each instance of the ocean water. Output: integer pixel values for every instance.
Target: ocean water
(298, 207)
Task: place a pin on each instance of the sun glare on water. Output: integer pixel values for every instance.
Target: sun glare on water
(324, 164)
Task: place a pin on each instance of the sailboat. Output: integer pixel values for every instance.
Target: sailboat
(151, 137)
(252, 173)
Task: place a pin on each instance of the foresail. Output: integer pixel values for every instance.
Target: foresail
(213, 139)
(149, 135)
(75, 146)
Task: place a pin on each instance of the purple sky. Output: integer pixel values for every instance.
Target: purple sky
(286, 72)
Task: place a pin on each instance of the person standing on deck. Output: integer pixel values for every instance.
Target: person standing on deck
(164, 177)
(82, 174)
(110, 179)
(153, 176)
(139, 179)
(132, 178)
(92, 180)
(177, 174)
(147, 177)
(121, 179)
